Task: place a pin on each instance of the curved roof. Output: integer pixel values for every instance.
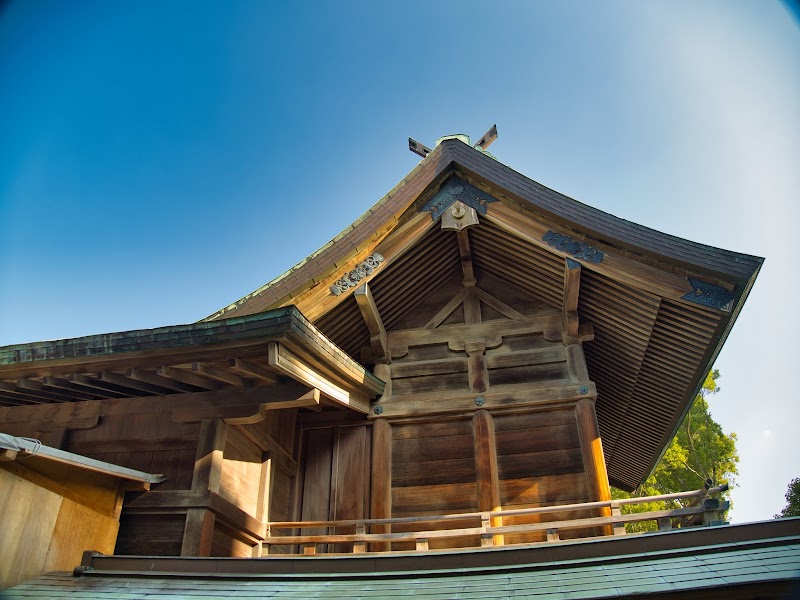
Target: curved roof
(661, 306)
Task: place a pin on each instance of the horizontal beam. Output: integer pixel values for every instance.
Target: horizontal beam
(507, 397)
(287, 363)
(179, 501)
(400, 340)
(238, 406)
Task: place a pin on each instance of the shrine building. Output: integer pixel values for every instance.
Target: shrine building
(437, 400)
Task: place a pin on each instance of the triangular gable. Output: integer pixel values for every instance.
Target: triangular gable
(660, 306)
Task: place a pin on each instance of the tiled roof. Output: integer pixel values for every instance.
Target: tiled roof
(597, 569)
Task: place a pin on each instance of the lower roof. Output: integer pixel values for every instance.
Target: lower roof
(739, 561)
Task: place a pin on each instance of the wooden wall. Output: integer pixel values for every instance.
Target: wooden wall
(146, 434)
(472, 421)
(433, 473)
(46, 524)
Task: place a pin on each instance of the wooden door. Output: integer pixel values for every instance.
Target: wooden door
(336, 470)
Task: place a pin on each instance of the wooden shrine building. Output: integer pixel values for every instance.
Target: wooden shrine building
(476, 344)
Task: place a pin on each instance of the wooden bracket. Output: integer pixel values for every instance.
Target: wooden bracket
(283, 360)
(377, 332)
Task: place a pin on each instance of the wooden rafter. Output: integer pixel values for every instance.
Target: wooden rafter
(377, 332)
(615, 266)
(219, 374)
(113, 390)
(134, 384)
(164, 382)
(190, 378)
(249, 369)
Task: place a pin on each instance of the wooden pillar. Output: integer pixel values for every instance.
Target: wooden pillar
(199, 529)
(594, 463)
(264, 503)
(381, 479)
(486, 466)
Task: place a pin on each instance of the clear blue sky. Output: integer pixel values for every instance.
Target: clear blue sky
(160, 160)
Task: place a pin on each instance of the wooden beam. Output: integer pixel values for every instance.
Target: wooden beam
(249, 369)
(61, 383)
(615, 266)
(27, 395)
(377, 332)
(476, 366)
(381, 479)
(30, 384)
(37, 388)
(158, 380)
(7, 455)
(114, 391)
(466, 257)
(446, 310)
(219, 374)
(317, 299)
(133, 384)
(282, 459)
(488, 479)
(593, 459)
(287, 363)
(543, 394)
(498, 305)
(572, 287)
(189, 378)
(401, 339)
(239, 406)
(309, 399)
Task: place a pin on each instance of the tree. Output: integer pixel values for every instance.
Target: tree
(792, 508)
(700, 450)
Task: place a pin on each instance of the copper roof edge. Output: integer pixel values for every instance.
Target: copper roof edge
(545, 555)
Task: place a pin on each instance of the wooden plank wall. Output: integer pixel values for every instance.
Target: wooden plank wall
(140, 433)
(433, 473)
(43, 531)
(539, 464)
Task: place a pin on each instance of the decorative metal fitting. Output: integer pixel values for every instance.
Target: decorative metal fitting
(480, 401)
(583, 390)
(378, 410)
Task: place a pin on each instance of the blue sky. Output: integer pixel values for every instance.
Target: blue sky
(160, 160)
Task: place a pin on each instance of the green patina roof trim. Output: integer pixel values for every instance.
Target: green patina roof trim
(171, 336)
(731, 565)
(272, 324)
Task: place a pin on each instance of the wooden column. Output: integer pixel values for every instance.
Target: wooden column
(263, 505)
(486, 466)
(199, 529)
(594, 462)
(381, 479)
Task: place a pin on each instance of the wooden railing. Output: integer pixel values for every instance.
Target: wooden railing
(701, 508)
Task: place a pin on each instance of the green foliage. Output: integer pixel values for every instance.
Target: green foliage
(700, 450)
(792, 508)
